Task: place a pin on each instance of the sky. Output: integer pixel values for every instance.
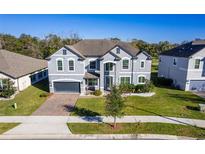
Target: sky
(150, 28)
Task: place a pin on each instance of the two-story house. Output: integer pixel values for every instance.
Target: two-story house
(185, 65)
(96, 64)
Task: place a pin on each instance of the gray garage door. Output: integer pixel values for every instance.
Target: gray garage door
(67, 87)
(198, 85)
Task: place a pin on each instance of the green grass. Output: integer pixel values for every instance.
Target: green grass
(6, 126)
(27, 101)
(137, 128)
(166, 102)
(155, 63)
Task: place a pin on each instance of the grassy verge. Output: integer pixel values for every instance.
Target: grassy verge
(27, 101)
(139, 128)
(6, 126)
(166, 102)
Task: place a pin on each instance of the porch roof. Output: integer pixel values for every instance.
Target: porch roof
(91, 75)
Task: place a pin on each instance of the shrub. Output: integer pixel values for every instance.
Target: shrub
(97, 93)
(143, 88)
(161, 81)
(8, 88)
(43, 95)
(126, 88)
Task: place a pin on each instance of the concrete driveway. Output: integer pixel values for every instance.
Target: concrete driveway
(201, 94)
(57, 105)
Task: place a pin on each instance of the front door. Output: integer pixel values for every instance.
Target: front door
(108, 82)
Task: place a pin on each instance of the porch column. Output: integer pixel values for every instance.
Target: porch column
(101, 76)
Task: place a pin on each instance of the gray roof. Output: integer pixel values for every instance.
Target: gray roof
(101, 47)
(91, 75)
(17, 65)
(186, 50)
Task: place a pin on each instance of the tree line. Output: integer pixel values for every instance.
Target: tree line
(42, 48)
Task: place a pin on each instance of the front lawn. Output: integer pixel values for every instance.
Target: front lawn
(6, 126)
(137, 128)
(166, 102)
(27, 101)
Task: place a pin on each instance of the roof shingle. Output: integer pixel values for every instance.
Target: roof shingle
(17, 65)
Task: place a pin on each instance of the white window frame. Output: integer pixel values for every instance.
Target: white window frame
(139, 77)
(62, 64)
(95, 64)
(73, 65)
(125, 77)
(175, 61)
(126, 58)
(141, 63)
(195, 63)
(112, 67)
(118, 50)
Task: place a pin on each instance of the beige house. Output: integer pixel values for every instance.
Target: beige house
(22, 70)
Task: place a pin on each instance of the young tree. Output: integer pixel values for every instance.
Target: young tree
(8, 88)
(114, 104)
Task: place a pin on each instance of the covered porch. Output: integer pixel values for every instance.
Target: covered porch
(92, 81)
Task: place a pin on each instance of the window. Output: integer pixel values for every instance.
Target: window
(45, 73)
(174, 62)
(125, 64)
(92, 65)
(71, 65)
(64, 52)
(118, 50)
(125, 80)
(33, 78)
(92, 82)
(1, 84)
(40, 75)
(141, 79)
(197, 63)
(142, 64)
(60, 65)
(109, 66)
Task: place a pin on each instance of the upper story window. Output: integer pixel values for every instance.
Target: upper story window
(109, 67)
(64, 52)
(60, 65)
(125, 64)
(118, 50)
(142, 64)
(92, 65)
(71, 66)
(141, 79)
(197, 63)
(174, 61)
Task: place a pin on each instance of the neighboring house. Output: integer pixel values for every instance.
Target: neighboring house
(22, 70)
(185, 65)
(96, 64)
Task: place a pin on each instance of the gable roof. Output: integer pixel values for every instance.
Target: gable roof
(186, 50)
(100, 47)
(17, 65)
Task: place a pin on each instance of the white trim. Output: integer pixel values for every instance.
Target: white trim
(141, 75)
(140, 64)
(136, 72)
(125, 76)
(126, 58)
(65, 74)
(62, 64)
(73, 64)
(109, 62)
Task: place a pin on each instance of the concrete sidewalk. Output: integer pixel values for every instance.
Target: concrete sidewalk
(98, 119)
(98, 137)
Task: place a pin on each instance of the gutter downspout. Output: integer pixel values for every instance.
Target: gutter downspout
(132, 71)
